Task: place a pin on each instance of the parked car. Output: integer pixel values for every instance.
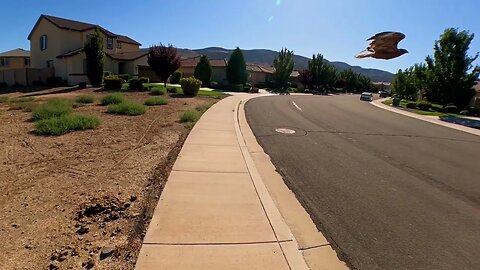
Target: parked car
(366, 96)
(383, 94)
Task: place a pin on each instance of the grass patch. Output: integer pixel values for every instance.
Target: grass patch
(127, 108)
(114, 98)
(388, 102)
(65, 124)
(52, 108)
(4, 99)
(190, 116)
(155, 101)
(85, 99)
(211, 93)
(157, 91)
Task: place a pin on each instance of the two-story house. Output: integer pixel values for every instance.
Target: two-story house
(18, 58)
(58, 43)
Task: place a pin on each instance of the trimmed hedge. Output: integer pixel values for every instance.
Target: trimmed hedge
(411, 105)
(157, 91)
(450, 109)
(112, 83)
(424, 105)
(190, 86)
(176, 77)
(144, 79)
(135, 84)
(236, 87)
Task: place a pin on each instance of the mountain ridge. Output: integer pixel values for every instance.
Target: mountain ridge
(265, 57)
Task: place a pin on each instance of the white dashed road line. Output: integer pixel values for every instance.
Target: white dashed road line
(295, 104)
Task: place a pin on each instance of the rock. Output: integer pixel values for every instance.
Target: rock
(88, 264)
(106, 252)
(15, 225)
(52, 267)
(133, 198)
(82, 230)
(126, 205)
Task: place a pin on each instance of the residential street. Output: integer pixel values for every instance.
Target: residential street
(388, 191)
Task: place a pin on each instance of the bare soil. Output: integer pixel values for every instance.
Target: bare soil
(83, 200)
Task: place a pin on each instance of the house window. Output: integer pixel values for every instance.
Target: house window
(43, 42)
(119, 45)
(50, 64)
(109, 43)
(27, 61)
(4, 62)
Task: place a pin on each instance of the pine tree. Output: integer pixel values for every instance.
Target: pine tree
(95, 57)
(203, 71)
(236, 68)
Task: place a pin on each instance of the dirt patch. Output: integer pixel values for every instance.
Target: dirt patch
(83, 200)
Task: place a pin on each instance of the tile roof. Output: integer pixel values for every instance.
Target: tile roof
(129, 56)
(193, 61)
(259, 68)
(70, 53)
(16, 53)
(80, 26)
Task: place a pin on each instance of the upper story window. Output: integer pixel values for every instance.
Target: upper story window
(27, 61)
(109, 43)
(4, 62)
(119, 45)
(43, 42)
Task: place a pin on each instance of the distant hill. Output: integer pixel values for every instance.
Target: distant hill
(266, 57)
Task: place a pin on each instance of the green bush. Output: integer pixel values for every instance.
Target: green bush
(190, 86)
(3, 85)
(113, 99)
(155, 101)
(472, 111)
(54, 81)
(144, 79)
(190, 117)
(172, 90)
(52, 108)
(85, 99)
(424, 105)
(127, 108)
(464, 112)
(213, 84)
(135, 84)
(235, 87)
(112, 82)
(411, 105)
(106, 74)
(450, 109)
(176, 77)
(65, 123)
(124, 77)
(157, 91)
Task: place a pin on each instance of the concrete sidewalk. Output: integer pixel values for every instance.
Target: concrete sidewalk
(432, 119)
(215, 211)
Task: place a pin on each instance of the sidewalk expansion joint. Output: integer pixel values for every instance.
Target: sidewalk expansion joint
(218, 244)
(209, 172)
(314, 247)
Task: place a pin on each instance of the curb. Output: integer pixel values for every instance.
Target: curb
(309, 245)
(378, 103)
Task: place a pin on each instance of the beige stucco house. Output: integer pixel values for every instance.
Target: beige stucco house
(18, 58)
(219, 68)
(58, 43)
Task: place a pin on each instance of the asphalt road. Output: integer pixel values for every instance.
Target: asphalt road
(388, 191)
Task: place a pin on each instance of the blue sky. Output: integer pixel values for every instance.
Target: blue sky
(337, 29)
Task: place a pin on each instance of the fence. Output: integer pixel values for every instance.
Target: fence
(26, 76)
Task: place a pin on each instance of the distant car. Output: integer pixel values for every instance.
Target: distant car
(383, 94)
(366, 96)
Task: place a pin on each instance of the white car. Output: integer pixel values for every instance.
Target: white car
(367, 96)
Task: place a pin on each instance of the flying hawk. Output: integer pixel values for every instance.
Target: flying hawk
(384, 46)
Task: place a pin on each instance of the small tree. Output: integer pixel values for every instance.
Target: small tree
(164, 61)
(95, 58)
(324, 75)
(283, 65)
(176, 77)
(305, 78)
(451, 75)
(236, 68)
(203, 71)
